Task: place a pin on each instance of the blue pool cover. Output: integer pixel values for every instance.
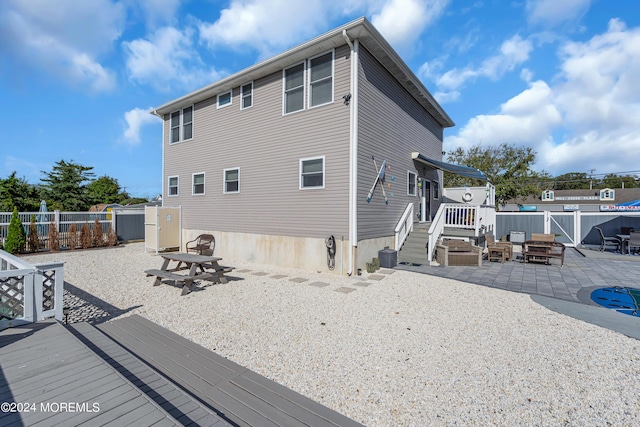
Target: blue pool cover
(623, 300)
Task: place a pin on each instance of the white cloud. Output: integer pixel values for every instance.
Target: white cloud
(136, 119)
(592, 110)
(554, 12)
(157, 12)
(269, 26)
(63, 38)
(513, 52)
(401, 22)
(167, 58)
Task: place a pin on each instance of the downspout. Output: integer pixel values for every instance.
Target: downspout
(353, 152)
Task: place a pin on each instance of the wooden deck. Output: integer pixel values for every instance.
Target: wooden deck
(239, 395)
(60, 379)
(141, 374)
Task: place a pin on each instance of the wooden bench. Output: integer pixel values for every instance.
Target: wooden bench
(543, 250)
(186, 280)
(218, 271)
(452, 252)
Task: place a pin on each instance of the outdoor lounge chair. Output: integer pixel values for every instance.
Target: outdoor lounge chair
(204, 244)
(607, 241)
(498, 251)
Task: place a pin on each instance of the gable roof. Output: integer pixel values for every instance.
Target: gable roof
(360, 29)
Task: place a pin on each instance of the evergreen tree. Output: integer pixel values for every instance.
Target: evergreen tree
(65, 186)
(16, 236)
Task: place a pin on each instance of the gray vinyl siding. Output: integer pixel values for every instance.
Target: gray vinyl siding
(392, 125)
(267, 147)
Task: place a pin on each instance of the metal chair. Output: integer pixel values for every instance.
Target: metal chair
(634, 241)
(204, 244)
(607, 240)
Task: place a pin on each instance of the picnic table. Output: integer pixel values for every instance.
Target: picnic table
(200, 267)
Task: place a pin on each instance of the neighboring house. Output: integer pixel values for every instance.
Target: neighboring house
(596, 200)
(278, 157)
(104, 207)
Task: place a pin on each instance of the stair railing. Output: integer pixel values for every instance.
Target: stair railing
(404, 227)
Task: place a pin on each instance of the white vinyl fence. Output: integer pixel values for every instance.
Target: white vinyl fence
(29, 293)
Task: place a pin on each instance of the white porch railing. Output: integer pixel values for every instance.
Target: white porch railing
(481, 219)
(29, 293)
(404, 227)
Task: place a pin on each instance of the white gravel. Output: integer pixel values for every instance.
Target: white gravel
(408, 350)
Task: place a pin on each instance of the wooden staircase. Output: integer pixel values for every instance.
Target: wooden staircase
(414, 250)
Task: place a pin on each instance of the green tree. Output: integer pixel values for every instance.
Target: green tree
(65, 186)
(571, 181)
(508, 168)
(104, 190)
(17, 192)
(618, 181)
(16, 236)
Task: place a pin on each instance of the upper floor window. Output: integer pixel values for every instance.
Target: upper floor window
(181, 124)
(411, 183)
(547, 195)
(294, 88)
(172, 186)
(607, 194)
(224, 99)
(312, 172)
(232, 180)
(198, 183)
(321, 79)
(246, 96)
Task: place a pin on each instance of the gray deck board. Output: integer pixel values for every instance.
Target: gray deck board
(175, 401)
(44, 363)
(242, 396)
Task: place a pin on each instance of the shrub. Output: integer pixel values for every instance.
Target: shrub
(85, 236)
(34, 240)
(54, 240)
(112, 237)
(73, 236)
(16, 237)
(98, 239)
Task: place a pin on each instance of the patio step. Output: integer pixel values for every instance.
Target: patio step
(179, 404)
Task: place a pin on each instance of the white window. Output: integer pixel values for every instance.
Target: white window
(312, 172)
(436, 190)
(321, 79)
(224, 99)
(231, 180)
(411, 183)
(607, 194)
(547, 195)
(246, 96)
(172, 186)
(181, 125)
(198, 183)
(293, 88)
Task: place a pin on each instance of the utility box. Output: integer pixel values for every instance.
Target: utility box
(517, 237)
(388, 258)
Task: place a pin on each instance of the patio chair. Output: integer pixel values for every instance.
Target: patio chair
(607, 240)
(499, 251)
(634, 241)
(204, 244)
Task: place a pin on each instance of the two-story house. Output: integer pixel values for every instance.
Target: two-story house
(276, 158)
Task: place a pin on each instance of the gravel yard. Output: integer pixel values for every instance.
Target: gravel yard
(405, 350)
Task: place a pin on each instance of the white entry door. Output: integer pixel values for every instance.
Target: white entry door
(425, 200)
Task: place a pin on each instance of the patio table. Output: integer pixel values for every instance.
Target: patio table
(201, 267)
(624, 241)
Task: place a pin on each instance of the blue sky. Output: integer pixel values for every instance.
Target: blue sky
(78, 76)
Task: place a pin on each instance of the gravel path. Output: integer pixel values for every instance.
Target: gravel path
(406, 350)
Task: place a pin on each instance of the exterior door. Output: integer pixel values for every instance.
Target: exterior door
(425, 200)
